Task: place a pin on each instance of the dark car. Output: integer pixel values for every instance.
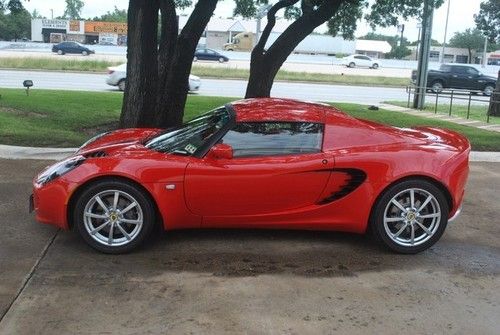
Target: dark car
(209, 54)
(460, 77)
(71, 48)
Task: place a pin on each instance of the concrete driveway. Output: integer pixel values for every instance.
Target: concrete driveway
(252, 282)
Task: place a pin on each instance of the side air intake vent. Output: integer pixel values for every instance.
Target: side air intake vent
(357, 177)
(96, 154)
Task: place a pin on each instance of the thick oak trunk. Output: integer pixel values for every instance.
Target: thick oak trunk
(494, 108)
(139, 101)
(265, 65)
(176, 81)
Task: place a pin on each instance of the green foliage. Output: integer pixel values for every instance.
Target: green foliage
(488, 20)
(35, 14)
(471, 39)
(73, 9)
(399, 52)
(117, 15)
(380, 13)
(16, 23)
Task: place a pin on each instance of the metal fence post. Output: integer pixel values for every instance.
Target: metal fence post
(468, 107)
(408, 89)
(436, 105)
(451, 102)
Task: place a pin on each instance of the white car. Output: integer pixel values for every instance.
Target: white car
(360, 60)
(117, 76)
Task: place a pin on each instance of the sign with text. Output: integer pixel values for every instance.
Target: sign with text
(57, 24)
(105, 27)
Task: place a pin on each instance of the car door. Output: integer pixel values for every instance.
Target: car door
(460, 78)
(276, 167)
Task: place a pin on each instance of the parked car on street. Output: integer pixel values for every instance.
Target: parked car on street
(458, 77)
(259, 163)
(361, 61)
(209, 54)
(117, 76)
(71, 48)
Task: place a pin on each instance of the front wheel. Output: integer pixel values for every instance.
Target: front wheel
(195, 59)
(60, 52)
(114, 216)
(85, 53)
(121, 85)
(221, 60)
(375, 66)
(410, 216)
(352, 64)
(437, 87)
(488, 90)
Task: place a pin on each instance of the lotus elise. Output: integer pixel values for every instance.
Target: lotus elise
(260, 163)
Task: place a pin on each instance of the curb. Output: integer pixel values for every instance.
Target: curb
(16, 152)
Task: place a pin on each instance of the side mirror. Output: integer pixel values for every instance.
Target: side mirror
(221, 151)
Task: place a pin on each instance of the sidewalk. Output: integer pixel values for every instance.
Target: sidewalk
(13, 152)
(444, 117)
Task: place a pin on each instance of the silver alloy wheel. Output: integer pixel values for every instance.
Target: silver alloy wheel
(437, 87)
(113, 218)
(221, 60)
(412, 217)
(488, 90)
(59, 52)
(85, 53)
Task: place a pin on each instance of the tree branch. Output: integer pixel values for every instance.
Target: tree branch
(271, 22)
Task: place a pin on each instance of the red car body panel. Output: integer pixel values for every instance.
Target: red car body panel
(331, 190)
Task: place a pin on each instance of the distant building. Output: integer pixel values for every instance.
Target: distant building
(88, 32)
(372, 48)
(451, 55)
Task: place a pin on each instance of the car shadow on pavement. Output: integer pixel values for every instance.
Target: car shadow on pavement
(243, 253)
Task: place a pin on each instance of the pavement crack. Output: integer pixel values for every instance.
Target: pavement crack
(30, 274)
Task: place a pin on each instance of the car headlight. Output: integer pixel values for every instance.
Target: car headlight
(59, 169)
(95, 138)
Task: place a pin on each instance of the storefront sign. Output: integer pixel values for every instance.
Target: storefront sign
(56, 24)
(74, 25)
(105, 27)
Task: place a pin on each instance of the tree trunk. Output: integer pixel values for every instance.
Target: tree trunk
(174, 96)
(265, 65)
(139, 101)
(494, 109)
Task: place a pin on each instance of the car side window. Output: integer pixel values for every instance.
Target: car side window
(472, 71)
(256, 139)
(358, 57)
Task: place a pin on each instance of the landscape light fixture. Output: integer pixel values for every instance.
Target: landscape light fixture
(27, 84)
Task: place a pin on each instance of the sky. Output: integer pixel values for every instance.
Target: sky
(461, 15)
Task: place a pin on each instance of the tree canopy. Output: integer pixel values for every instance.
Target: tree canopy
(15, 20)
(470, 39)
(117, 15)
(73, 9)
(488, 20)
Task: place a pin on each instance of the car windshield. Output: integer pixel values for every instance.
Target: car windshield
(191, 136)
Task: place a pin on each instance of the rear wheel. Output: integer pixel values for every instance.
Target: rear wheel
(221, 60)
(60, 52)
(84, 53)
(375, 66)
(410, 216)
(437, 87)
(195, 59)
(114, 216)
(352, 64)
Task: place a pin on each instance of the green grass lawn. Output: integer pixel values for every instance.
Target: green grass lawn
(68, 64)
(477, 112)
(69, 118)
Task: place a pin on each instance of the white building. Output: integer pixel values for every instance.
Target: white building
(372, 48)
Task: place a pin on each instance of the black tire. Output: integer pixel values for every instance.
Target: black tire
(221, 60)
(352, 64)
(144, 202)
(435, 86)
(122, 84)
(375, 66)
(488, 90)
(85, 53)
(60, 52)
(377, 219)
(195, 59)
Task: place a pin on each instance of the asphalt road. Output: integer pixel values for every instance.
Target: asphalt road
(210, 87)
(248, 281)
(219, 87)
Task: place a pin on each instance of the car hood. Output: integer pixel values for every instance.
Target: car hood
(117, 139)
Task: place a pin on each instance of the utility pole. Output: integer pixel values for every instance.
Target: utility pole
(484, 51)
(445, 31)
(52, 14)
(423, 55)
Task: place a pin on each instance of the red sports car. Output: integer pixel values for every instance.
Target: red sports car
(260, 163)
